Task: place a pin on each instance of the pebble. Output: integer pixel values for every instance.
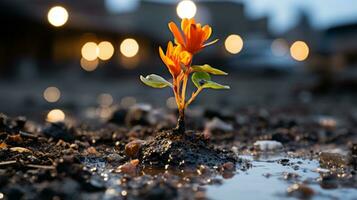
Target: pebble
(92, 151)
(3, 145)
(138, 115)
(267, 145)
(15, 138)
(20, 150)
(300, 191)
(59, 130)
(132, 148)
(218, 124)
(128, 168)
(228, 166)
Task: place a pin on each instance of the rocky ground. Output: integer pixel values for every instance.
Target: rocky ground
(260, 133)
(134, 155)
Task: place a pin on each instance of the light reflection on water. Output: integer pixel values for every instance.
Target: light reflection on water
(264, 180)
(255, 184)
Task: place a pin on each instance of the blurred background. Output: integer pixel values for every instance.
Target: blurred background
(82, 58)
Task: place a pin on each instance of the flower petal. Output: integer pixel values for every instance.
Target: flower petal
(207, 32)
(176, 32)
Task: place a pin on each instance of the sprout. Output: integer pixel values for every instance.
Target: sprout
(178, 59)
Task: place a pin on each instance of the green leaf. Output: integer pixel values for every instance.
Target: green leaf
(203, 80)
(200, 78)
(214, 85)
(155, 81)
(208, 69)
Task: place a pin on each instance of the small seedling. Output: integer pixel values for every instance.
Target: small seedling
(190, 40)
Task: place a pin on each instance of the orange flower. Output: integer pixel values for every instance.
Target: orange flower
(174, 58)
(192, 36)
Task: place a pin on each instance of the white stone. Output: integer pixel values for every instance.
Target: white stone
(218, 124)
(268, 145)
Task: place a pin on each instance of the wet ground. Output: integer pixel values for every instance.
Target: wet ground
(282, 144)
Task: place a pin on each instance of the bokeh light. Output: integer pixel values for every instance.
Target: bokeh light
(89, 65)
(171, 103)
(106, 50)
(90, 51)
(129, 47)
(279, 47)
(57, 16)
(55, 115)
(186, 9)
(299, 50)
(233, 44)
(51, 94)
(105, 99)
(127, 102)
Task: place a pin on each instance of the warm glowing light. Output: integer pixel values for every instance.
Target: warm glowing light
(299, 50)
(106, 50)
(127, 102)
(186, 9)
(171, 103)
(57, 16)
(233, 44)
(105, 99)
(90, 51)
(51, 94)
(89, 65)
(279, 47)
(129, 47)
(55, 115)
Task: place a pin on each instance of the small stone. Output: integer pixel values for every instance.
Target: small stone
(92, 151)
(300, 191)
(132, 148)
(3, 145)
(15, 138)
(20, 150)
(58, 131)
(128, 168)
(138, 115)
(74, 146)
(228, 166)
(118, 116)
(267, 145)
(218, 124)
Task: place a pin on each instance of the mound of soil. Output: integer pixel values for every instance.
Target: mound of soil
(190, 150)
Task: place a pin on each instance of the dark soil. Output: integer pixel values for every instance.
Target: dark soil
(95, 161)
(171, 150)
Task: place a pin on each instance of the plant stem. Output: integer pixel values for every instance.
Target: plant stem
(194, 95)
(183, 92)
(180, 127)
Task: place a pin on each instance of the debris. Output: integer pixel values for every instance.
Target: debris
(218, 124)
(92, 151)
(128, 168)
(132, 148)
(59, 130)
(332, 160)
(3, 145)
(267, 145)
(20, 150)
(300, 191)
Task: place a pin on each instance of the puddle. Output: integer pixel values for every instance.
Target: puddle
(268, 178)
(265, 180)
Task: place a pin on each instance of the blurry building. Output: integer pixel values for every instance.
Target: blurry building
(29, 44)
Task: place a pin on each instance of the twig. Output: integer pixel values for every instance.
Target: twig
(41, 166)
(10, 162)
(25, 134)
